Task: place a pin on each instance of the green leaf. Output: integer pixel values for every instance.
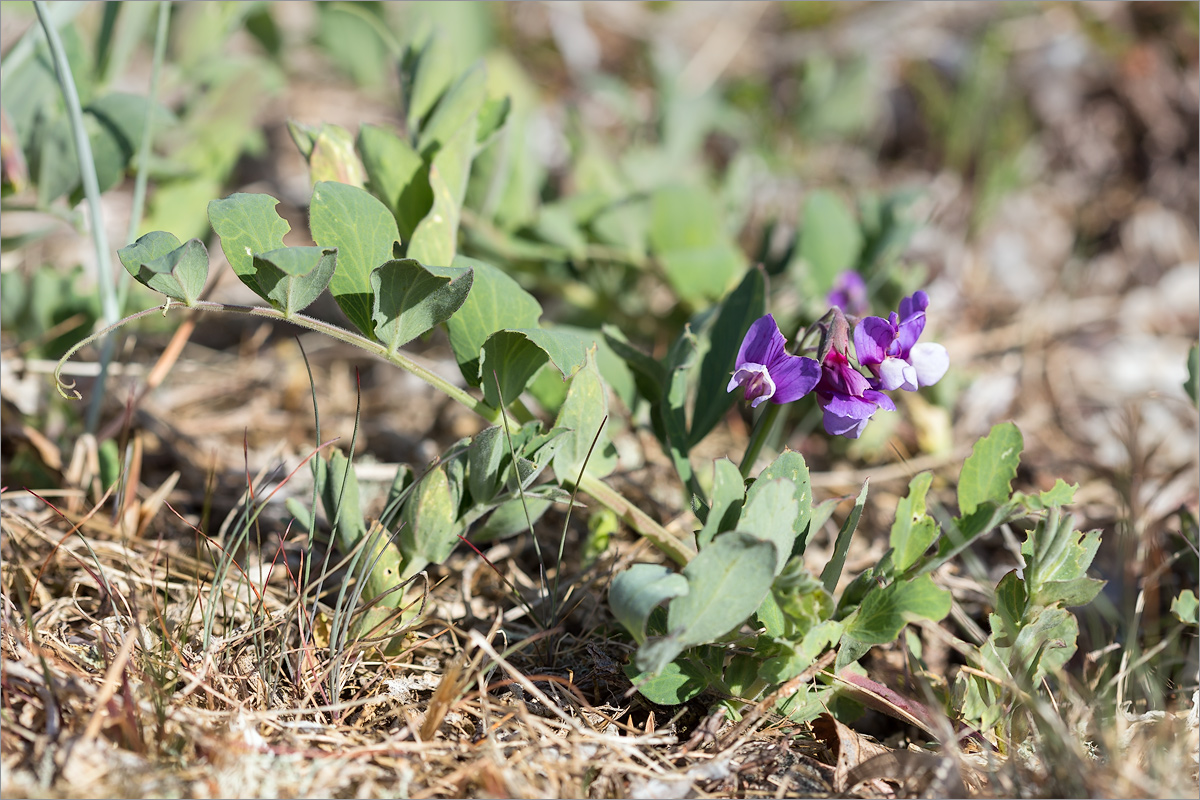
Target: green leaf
(584, 414)
(727, 494)
(1011, 604)
(457, 110)
(885, 611)
(247, 224)
(512, 517)
(397, 175)
(1192, 384)
(427, 68)
(784, 668)
(727, 582)
(790, 466)
(179, 272)
(330, 153)
(674, 684)
(1060, 494)
(699, 258)
(649, 375)
(673, 409)
(364, 232)
(769, 514)
(638, 591)
(435, 239)
(742, 307)
(430, 522)
(291, 278)
(337, 484)
(914, 530)
(485, 455)
(1056, 561)
(496, 302)
(830, 242)
(833, 570)
(988, 472)
(1185, 607)
(411, 298)
(506, 364)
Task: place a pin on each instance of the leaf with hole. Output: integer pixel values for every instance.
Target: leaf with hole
(291, 278)
(411, 299)
(247, 224)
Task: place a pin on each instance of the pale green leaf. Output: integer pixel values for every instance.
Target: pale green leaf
(364, 233)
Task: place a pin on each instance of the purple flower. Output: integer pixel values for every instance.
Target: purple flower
(847, 397)
(889, 349)
(849, 293)
(767, 371)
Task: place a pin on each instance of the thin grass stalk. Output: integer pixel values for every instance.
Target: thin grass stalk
(91, 188)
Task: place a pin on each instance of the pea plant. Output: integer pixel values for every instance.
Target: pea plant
(739, 613)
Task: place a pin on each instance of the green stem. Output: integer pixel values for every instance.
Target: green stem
(300, 320)
(679, 552)
(91, 188)
(762, 429)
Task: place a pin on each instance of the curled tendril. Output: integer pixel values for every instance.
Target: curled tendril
(67, 388)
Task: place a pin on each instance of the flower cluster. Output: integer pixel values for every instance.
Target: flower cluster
(886, 348)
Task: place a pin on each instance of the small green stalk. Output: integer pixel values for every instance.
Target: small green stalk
(300, 320)
(678, 551)
(762, 429)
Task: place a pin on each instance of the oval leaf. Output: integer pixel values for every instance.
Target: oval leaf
(584, 414)
(180, 273)
(639, 590)
(364, 232)
(247, 224)
(291, 278)
(410, 298)
(727, 582)
(496, 302)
